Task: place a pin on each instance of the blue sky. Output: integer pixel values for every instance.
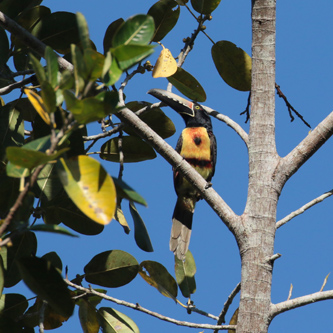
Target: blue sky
(304, 72)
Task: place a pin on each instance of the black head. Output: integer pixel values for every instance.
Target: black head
(193, 113)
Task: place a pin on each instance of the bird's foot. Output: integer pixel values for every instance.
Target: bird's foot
(208, 185)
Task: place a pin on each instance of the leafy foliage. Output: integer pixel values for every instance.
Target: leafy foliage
(43, 135)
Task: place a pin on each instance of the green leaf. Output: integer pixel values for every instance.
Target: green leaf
(46, 282)
(91, 108)
(111, 269)
(187, 85)
(94, 63)
(23, 246)
(129, 55)
(83, 31)
(13, 305)
(80, 69)
(155, 119)
(120, 218)
(89, 186)
(133, 148)
(49, 97)
(126, 192)
(233, 64)
(51, 66)
(31, 155)
(185, 271)
(58, 30)
(111, 71)
(141, 235)
(16, 171)
(109, 34)
(48, 182)
(62, 209)
(27, 158)
(205, 6)
(4, 47)
(113, 321)
(13, 7)
(66, 80)
(137, 30)
(29, 17)
(54, 259)
(51, 228)
(165, 18)
(88, 317)
(11, 129)
(157, 276)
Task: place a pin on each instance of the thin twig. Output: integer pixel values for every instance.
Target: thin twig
(324, 283)
(227, 304)
(303, 208)
(290, 292)
(290, 107)
(247, 109)
(144, 310)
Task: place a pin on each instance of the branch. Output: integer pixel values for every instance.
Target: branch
(144, 310)
(227, 215)
(29, 40)
(304, 150)
(6, 90)
(303, 208)
(300, 301)
(231, 123)
(227, 305)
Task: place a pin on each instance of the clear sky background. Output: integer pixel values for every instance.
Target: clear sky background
(304, 71)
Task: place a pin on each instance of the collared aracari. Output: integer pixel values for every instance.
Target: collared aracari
(197, 145)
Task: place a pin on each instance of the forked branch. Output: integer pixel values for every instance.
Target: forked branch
(304, 150)
(300, 301)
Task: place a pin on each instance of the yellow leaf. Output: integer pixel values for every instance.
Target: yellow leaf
(166, 64)
(38, 104)
(89, 186)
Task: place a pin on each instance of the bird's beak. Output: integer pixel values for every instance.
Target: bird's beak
(179, 104)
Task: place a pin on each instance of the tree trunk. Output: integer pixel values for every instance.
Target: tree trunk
(256, 244)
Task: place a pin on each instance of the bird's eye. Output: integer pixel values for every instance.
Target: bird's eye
(197, 107)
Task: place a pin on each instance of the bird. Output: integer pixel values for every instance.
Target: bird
(197, 145)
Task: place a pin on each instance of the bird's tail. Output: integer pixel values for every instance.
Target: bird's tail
(182, 226)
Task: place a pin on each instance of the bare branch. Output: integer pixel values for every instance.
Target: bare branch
(227, 305)
(299, 301)
(151, 313)
(304, 150)
(231, 123)
(303, 208)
